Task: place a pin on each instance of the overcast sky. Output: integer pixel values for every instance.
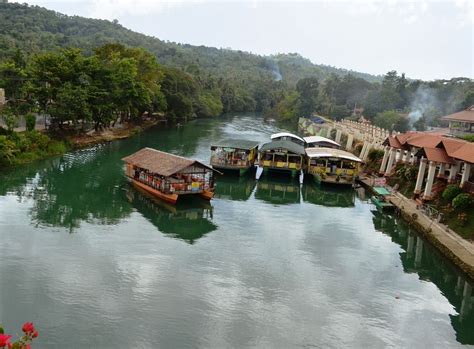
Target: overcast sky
(425, 39)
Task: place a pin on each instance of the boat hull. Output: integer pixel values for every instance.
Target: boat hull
(207, 194)
(333, 180)
(171, 198)
(242, 170)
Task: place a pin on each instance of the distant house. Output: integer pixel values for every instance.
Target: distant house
(461, 123)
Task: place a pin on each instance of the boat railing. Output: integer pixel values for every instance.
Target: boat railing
(280, 164)
(229, 162)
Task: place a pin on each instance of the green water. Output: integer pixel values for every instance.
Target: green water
(96, 264)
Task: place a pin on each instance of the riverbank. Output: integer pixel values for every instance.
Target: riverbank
(20, 148)
(457, 249)
(111, 134)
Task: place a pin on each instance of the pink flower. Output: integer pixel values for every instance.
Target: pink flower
(5, 340)
(28, 327)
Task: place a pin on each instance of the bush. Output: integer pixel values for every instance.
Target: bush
(462, 201)
(30, 121)
(451, 192)
(375, 154)
(469, 138)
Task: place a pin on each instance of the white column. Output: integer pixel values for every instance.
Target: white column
(391, 161)
(350, 139)
(465, 174)
(453, 171)
(442, 169)
(430, 180)
(384, 160)
(362, 151)
(338, 136)
(367, 150)
(329, 130)
(399, 156)
(405, 156)
(421, 176)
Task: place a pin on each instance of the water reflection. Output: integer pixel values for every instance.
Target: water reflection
(188, 220)
(420, 258)
(328, 195)
(234, 188)
(278, 190)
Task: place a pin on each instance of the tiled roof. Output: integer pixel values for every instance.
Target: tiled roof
(465, 115)
(159, 162)
(465, 153)
(438, 155)
(439, 148)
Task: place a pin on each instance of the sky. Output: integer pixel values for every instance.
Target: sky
(426, 39)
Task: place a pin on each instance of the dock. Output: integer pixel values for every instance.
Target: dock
(457, 249)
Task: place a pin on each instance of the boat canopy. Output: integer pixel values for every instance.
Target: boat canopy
(283, 144)
(161, 163)
(319, 139)
(381, 190)
(236, 144)
(331, 153)
(286, 134)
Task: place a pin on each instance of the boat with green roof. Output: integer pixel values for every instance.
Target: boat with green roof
(234, 154)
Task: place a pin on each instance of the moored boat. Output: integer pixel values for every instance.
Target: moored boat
(169, 176)
(283, 156)
(330, 165)
(234, 154)
(380, 199)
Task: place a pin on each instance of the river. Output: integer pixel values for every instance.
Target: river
(94, 263)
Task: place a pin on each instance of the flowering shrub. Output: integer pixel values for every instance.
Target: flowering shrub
(24, 342)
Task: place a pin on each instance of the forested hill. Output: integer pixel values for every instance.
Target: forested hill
(36, 29)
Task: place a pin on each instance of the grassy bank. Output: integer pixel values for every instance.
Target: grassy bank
(17, 148)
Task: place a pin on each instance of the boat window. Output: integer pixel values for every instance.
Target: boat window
(280, 158)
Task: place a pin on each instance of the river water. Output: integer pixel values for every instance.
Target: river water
(96, 264)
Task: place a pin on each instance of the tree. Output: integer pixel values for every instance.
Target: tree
(308, 94)
(391, 120)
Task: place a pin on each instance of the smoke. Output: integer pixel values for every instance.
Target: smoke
(424, 104)
(275, 69)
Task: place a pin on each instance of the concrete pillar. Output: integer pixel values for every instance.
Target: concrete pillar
(430, 180)
(338, 136)
(465, 174)
(421, 176)
(362, 151)
(442, 169)
(399, 156)
(384, 159)
(391, 161)
(350, 139)
(328, 134)
(367, 150)
(453, 171)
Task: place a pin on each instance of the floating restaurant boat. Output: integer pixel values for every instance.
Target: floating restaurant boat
(332, 165)
(282, 155)
(321, 142)
(169, 176)
(234, 154)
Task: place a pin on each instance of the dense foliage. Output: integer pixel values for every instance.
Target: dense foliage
(395, 104)
(50, 61)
